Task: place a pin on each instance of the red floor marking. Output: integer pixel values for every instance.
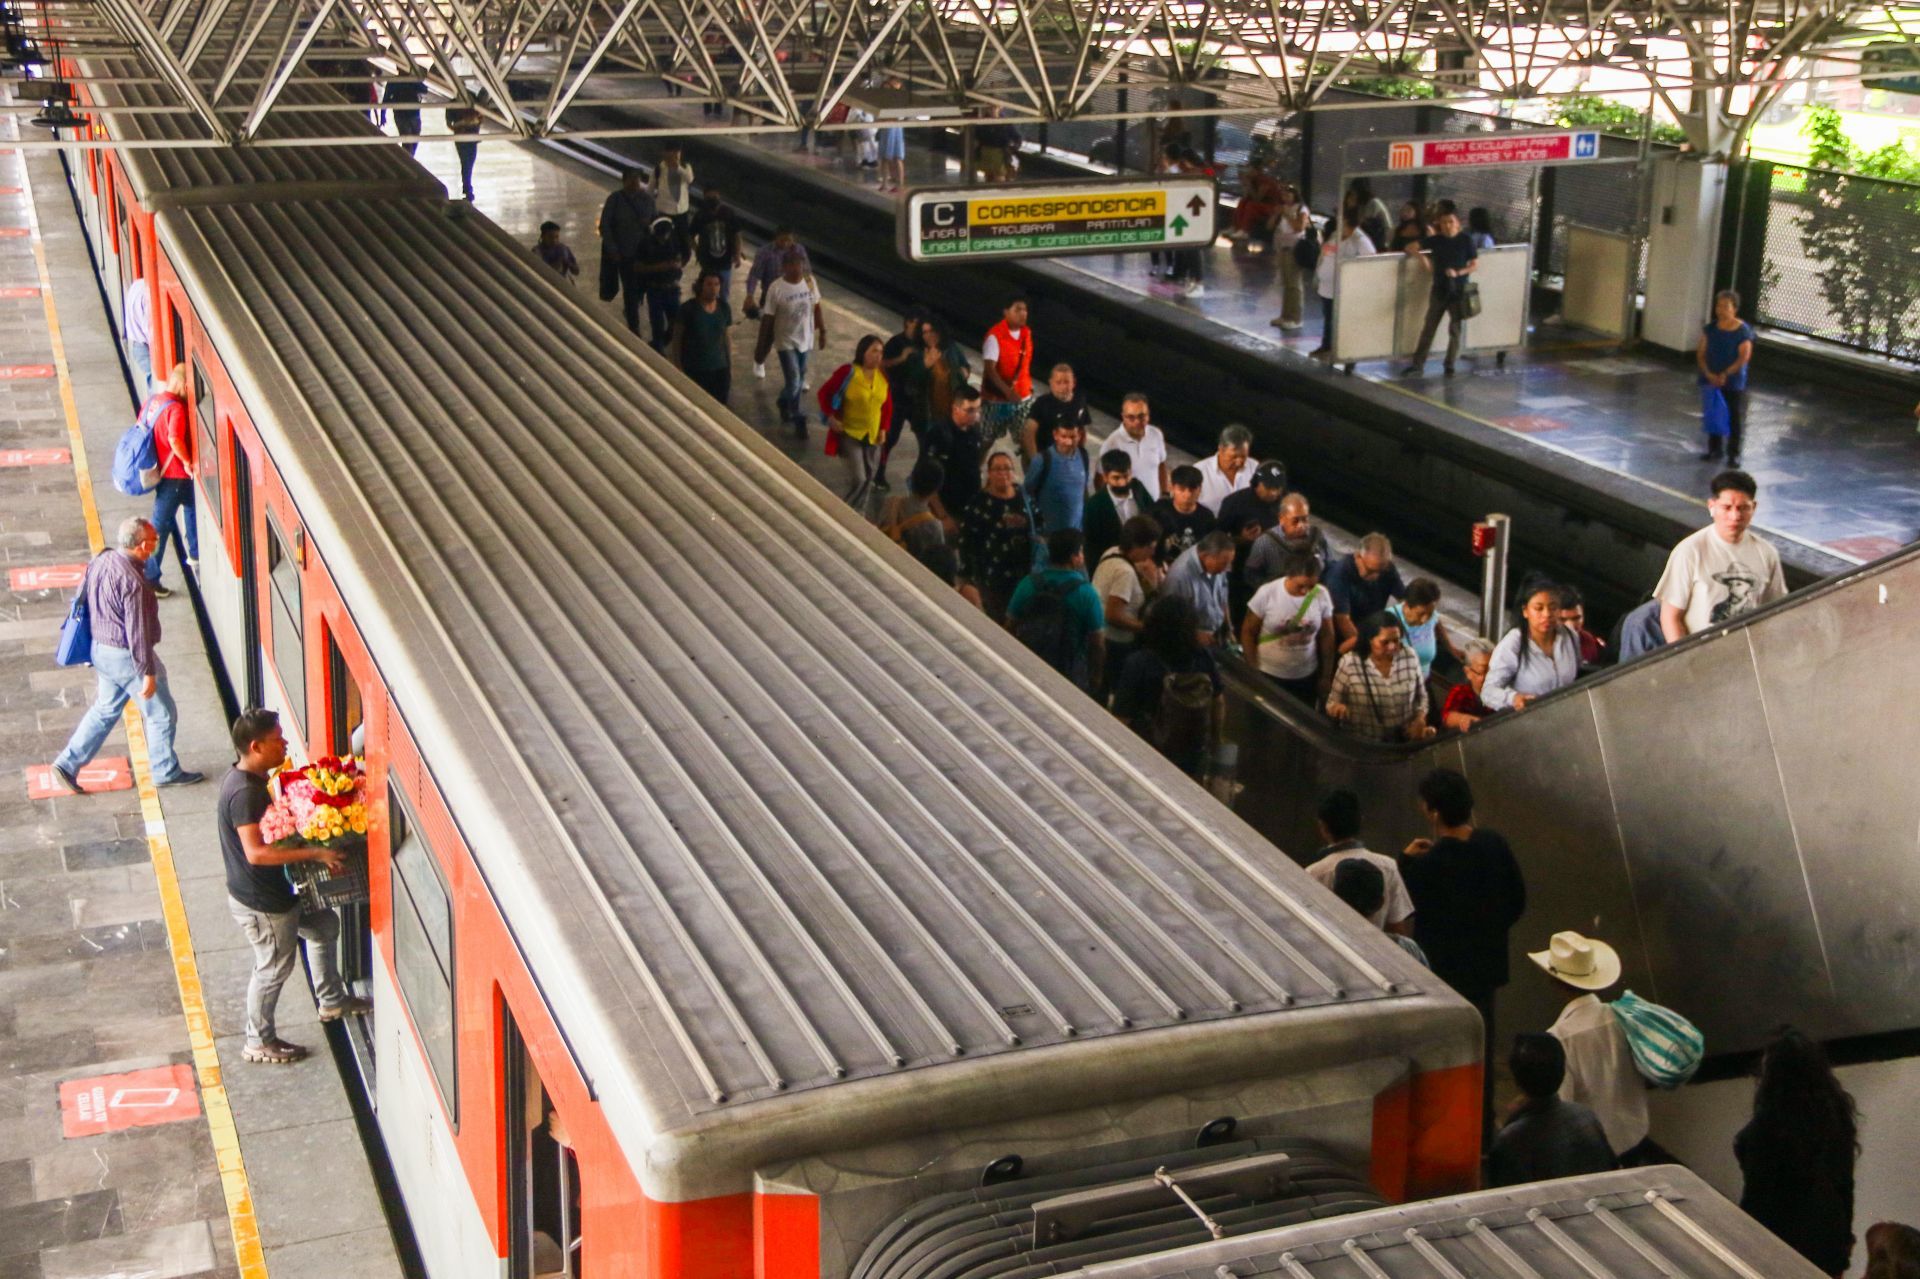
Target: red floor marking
(14, 232)
(1530, 423)
(46, 577)
(1867, 548)
(9, 190)
(102, 775)
(19, 290)
(11, 371)
(141, 1099)
(35, 457)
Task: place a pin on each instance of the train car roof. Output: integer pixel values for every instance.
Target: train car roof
(163, 175)
(767, 808)
(1638, 1221)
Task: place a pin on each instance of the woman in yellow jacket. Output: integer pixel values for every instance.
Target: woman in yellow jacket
(858, 406)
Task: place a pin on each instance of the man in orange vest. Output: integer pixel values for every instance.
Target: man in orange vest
(1006, 357)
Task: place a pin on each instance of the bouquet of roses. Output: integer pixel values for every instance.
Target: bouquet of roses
(323, 805)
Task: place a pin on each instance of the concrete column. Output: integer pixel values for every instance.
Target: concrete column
(1683, 242)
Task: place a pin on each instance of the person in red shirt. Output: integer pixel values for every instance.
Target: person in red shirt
(173, 496)
(1573, 615)
(1463, 708)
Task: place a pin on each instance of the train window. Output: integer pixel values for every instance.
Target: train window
(423, 951)
(347, 713)
(543, 1174)
(207, 460)
(289, 653)
(177, 330)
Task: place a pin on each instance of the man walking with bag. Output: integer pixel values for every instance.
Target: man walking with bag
(625, 220)
(125, 619)
(1451, 258)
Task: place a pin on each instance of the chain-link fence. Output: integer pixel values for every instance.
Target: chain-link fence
(1839, 259)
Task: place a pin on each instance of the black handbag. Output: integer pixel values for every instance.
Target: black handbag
(609, 275)
(1469, 299)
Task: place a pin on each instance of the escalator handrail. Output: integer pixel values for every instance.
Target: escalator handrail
(1255, 689)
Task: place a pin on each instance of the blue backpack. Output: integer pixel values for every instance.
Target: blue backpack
(136, 460)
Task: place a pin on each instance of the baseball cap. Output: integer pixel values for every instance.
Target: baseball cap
(1271, 474)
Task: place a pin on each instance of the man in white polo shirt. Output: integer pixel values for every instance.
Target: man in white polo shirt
(1140, 440)
(1230, 469)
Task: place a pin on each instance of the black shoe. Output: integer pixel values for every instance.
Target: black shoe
(880, 484)
(66, 779)
(1733, 461)
(1414, 370)
(185, 777)
(162, 592)
(1447, 371)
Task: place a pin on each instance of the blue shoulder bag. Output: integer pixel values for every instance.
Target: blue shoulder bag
(75, 645)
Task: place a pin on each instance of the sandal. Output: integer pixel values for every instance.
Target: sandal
(275, 1052)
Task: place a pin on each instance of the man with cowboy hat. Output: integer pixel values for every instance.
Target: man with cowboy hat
(1601, 1073)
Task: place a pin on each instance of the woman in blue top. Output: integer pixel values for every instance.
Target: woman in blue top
(1726, 348)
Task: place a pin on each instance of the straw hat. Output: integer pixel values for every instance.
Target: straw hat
(1579, 961)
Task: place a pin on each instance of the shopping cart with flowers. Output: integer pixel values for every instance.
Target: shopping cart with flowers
(322, 805)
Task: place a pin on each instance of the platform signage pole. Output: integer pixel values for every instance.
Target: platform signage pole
(1490, 538)
(1024, 220)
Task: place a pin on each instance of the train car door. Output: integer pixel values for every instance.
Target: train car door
(543, 1177)
(255, 691)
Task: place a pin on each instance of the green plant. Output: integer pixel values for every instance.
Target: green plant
(1613, 117)
(1857, 211)
(1387, 86)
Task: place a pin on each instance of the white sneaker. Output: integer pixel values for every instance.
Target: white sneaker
(806, 384)
(760, 371)
(1196, 290)
(1294, 327)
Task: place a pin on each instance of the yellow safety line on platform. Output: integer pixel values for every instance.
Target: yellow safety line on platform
(186, 969)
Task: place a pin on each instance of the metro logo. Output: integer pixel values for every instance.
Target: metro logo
(1400, 155)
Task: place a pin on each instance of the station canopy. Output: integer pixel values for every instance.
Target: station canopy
(536, 68)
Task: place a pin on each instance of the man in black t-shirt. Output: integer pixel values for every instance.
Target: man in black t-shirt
(1247, 513)
(901, 347)
(272, 918)
(716, 239)
(960, 446)
(1451, 258)
(1182, 517)
(1062, 403)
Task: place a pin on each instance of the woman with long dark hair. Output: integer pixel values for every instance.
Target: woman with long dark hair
(857, 402)
(1537, 657)
(1169, 646)
(1797, 1153)
(1377, 692)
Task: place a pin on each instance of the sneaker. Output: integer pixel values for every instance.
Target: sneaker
(806, 383)
(880, 484)
(162, 592)
(1277, 322)
(1447, 370)
(274, 1052)
(1196, 290)
(352, 1006)
(66, 779)
(194, 566)
(1414, 370)
(760, 371)
(800, 431)
(1293, 326)
(185, 777)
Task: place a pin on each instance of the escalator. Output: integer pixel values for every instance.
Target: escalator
(1738, 814)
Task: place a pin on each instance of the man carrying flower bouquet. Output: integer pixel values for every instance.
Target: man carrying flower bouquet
(273, 919)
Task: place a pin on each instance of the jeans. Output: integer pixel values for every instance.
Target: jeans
(1446, 304)
(663, 304)
(793, 368)
(272, 937)
(171, 500)
(118, 682)
(140, 356)
(469, 152)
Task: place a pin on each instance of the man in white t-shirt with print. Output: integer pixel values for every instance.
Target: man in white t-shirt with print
(1724, 570)
(1289, 628)
(792, 307)
(1140, 440)
(1340, 827)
